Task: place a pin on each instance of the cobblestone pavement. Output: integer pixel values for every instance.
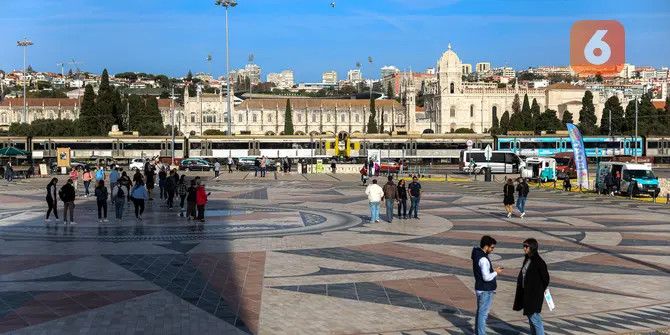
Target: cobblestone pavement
(295, 254)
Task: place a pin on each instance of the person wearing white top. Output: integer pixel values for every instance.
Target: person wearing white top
(375, 195)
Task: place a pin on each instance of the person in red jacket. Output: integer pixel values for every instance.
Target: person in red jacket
(201, 201)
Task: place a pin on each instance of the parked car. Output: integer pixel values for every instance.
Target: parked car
(389, 166)
(247, 164)
(195, 164)
(81, 166)
(137, 164)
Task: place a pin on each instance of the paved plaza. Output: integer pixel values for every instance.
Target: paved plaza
(295, 254)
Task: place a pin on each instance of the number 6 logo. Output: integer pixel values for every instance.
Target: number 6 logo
(597, 47)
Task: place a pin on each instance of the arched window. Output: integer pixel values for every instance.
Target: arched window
(192, 117)
(358, 118)
(494, 112)
(269, 117)
(254, 118)
(314, 117)
(3, 118)
(240, 117)
(472, 110)
(451, 88)
(386, 118)
(342, 118)
(452, 111)
(299, 118)
(328, 118)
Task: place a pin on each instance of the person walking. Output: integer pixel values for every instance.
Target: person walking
(364, 174)
(532, 281)
(285, 165)
(162, 176)
(87, 177)
(99, 174)
(101, 195)
(74, 176)
(375, 195)
(567, 186)
(414, 189)
(217, 169)
(390, 196)
(113, 180)
(67, 195)
(201, 201)
(485, 280)
(257, 166)
(371, 167)
(119, 199)
(610, 183)
(9, 172)
(230, 164)
(52, 200)
(508, 197)
(170, 188)
(522, 189)
(264, 166)
(139, 195)
(182, 191)
(333, 165)
(190, 201)
(150, 175)
(401, 196)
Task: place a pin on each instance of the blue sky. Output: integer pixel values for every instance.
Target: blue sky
(308, 36)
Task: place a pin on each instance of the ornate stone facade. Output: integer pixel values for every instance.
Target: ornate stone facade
(451, 104)
(11, 110)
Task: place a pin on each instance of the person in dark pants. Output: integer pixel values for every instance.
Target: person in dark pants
(170, 188)
(190, 201)
(485, 281)
(52, 199)
(567, 186)
(162, 177)
(201, 201)
(390, 195)
(401, 196)
(531, 283)
(523, 190)
(67, 195)
(414, 197)
(182, 191)
(101, 195)
(139, 195)
(257, 166)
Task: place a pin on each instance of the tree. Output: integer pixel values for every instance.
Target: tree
(87, 122)
(212, 132)
(464, 131)
(613, 108)
(389, 92)
(567, 118)
(104, 82)
(108, 105)
(535, 115)
(549, 122)
(191, 84)
(526, 116)
(587, 115)
(516, 121)
(504, 123)
(372, 123)
(288, 118)
(152, 123)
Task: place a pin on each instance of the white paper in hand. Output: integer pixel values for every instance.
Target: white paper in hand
(549, 299)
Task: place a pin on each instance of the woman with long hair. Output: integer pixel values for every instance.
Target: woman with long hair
(401, 196)
(101, 195)
(138, 195)
(508, 199)
(52, 198)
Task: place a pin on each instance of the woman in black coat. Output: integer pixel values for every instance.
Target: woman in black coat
(531, 283)
(508, 197)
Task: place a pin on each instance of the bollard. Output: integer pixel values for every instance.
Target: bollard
(667, 199)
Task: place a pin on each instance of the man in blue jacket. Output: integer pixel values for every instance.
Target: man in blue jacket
(485, 281)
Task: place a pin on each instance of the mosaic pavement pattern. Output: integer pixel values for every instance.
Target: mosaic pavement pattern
(294, 254)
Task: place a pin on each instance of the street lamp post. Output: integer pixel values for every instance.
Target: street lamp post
(172, 97)
(24, 43)
(226, 4)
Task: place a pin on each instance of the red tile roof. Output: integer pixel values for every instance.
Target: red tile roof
(35, 102)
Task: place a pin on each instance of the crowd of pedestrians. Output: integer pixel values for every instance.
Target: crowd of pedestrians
(122, 190)
(394, 195)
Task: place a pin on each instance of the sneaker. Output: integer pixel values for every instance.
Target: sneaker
(99, 220)
(509, 215)
(523, 214)
(105, 220)
(181, 215)
(376, 220)
(73, 223)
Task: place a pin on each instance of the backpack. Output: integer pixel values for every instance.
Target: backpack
(120, 193)
(99, 175)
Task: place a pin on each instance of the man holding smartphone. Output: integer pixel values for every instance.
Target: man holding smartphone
(485, 281)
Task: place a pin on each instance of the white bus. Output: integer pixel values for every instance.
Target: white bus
(474, 161)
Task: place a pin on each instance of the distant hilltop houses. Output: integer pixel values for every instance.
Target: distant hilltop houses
(453, 95)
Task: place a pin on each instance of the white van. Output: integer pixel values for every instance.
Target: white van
(474, 161)
(540, 168)
(635, 178)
